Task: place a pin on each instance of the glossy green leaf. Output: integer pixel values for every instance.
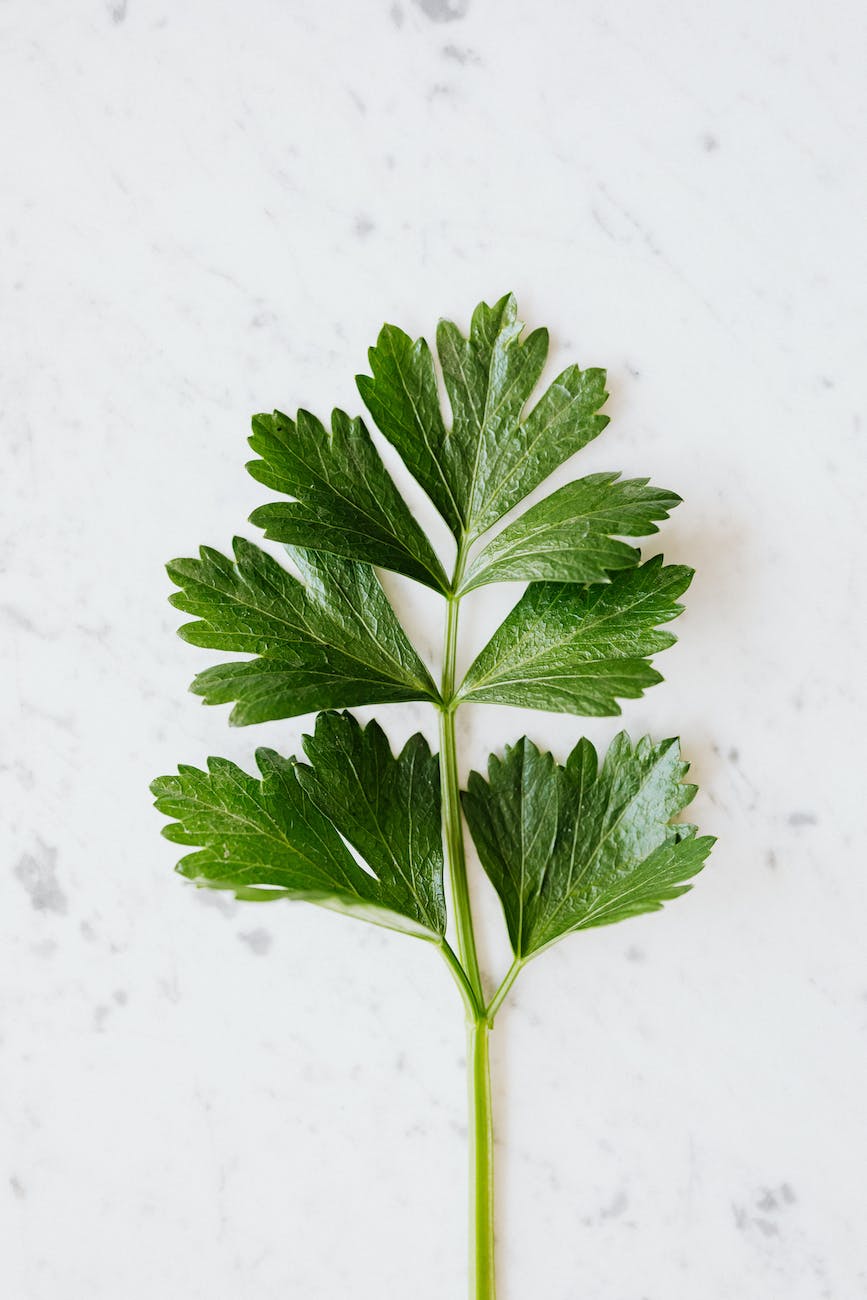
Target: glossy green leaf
(328, 641)
(345, 500)
(571, 536)
(266, 839)
(577, 649)
(493, 453)
(387, 808)
(571, 847)
(402, 397)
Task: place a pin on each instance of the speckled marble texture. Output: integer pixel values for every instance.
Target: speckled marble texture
(208, 209)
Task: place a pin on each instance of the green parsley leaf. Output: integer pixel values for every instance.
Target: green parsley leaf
(266, 839)
(491, 457)
(567, 848)
(346, 501)
(328, 641)
(387, 808)
(402, 397)
(568, 536)
(575, 649)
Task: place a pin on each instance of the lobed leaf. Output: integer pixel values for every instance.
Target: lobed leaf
(387, 808)
(266, 839)
(402, 397)
(571, 535)
(572, 847)
(577, 649)
(328, 641)
(345, 500)
(492, 455)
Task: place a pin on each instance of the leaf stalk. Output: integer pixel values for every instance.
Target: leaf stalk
(481, 1133)
(465, 968)
(503, 991)
(451, 800)
(474, 1010)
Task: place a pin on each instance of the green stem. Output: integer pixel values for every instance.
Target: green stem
(474, 1010)
(503, 991)
(451, 799)
(465, 968)
(454, 843)
(450, 649)
(482, 1286)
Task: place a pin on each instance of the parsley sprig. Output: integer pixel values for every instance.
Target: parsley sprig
(566, 847)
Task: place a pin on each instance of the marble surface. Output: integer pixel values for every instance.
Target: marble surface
(208, 209)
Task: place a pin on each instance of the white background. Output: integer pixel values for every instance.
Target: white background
(208, 210)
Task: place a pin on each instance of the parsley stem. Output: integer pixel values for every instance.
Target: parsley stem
(454, 843)
(450, 648)
(503, 991)
(482, 1286)
(451, 799)
(465, 968)
(474, 1010)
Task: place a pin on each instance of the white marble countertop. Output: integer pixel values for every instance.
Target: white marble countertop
(208, 210)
